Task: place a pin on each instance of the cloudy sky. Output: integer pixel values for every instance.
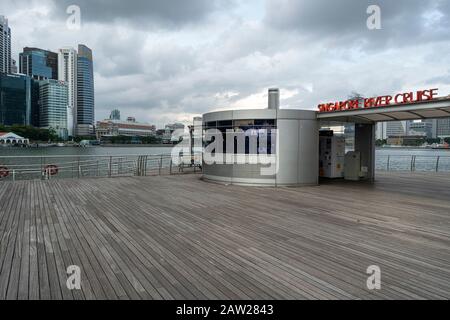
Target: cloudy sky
(169, 60)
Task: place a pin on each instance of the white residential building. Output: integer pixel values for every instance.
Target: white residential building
(5, 46)
(67, 72)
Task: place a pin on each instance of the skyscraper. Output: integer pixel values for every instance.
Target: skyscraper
(14, 67)
(85, 92)
(396, 128)
(443, 128)
(39, 64)
(53, 99)
(115, 115)
(420, 128)
(15, 99)
(5, 46)
(67, 72)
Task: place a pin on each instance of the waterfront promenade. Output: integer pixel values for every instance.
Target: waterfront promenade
(177, 237)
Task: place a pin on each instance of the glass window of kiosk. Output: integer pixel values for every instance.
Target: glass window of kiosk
(263, 131)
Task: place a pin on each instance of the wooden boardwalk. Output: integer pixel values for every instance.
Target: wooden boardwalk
(176, 237)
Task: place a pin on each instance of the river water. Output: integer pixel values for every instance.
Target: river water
(76, 151)
(404, 159)
(115, 151)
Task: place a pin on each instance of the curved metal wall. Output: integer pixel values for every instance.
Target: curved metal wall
(297, 153)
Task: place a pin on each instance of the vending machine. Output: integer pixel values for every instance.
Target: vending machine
(332, 155)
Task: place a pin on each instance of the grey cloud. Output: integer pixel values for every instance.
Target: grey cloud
(167, 13)
(404, 22)
(156, 74)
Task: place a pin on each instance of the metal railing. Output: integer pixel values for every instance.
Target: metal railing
(426, 163)
(92, 166)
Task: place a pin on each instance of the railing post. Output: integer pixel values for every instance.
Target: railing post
(437, 163)
(145, 165)
(412, 160)
(79, 169)
(171, 162)
(136, 172)
(160, 164)
(389, 163)
(110, 167)
(14, 175)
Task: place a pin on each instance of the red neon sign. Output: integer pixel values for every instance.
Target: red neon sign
(382, 101)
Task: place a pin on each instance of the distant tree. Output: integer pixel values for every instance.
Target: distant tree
(354, 95)
(431, 141)
(31, 133)
(151, 140)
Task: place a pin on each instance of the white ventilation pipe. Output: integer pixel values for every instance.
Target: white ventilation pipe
(274, 98)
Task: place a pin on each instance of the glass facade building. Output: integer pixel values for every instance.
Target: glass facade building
(443, 128)
(85, 88)
(38, 63)
(53, 106)
(115, 115)
(34, 87)
(15, 99)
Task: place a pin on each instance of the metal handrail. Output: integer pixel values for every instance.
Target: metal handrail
(410, 162)
(89, 156)
(80, 166)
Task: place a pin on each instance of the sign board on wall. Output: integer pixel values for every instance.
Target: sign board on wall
(381, 101)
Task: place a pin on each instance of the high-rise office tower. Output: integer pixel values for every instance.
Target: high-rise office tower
(85, 92)
(380, 131)
(5, 46)
(396, 128)
(115, 115)
(53, 99)
(67, 72)
(443, 128)
(433, 124)
(14, 69)
(15, 99)
(38, 64)
(420, 128)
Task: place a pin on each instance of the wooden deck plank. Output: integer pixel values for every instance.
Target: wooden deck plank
(9, 241)
(177, 237)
